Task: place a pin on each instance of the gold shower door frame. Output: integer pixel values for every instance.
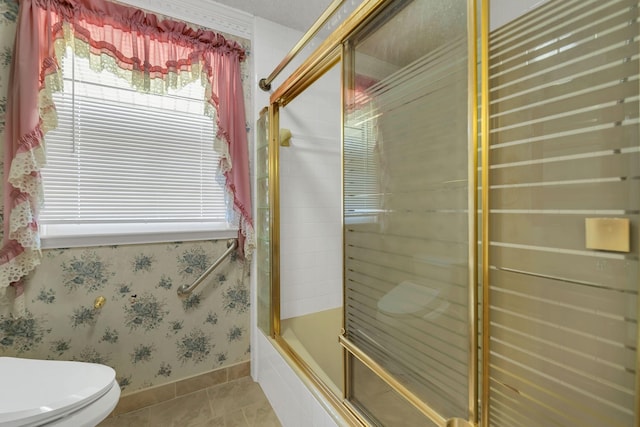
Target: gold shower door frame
(334, 49)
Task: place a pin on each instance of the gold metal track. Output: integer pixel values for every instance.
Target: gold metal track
(325, 56)
(265, 84)
(396, 385)
(484, 120)
(472, 197)
(274, 215)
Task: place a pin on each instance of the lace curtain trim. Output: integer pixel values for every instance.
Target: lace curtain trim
(21, 254)
(17, 262)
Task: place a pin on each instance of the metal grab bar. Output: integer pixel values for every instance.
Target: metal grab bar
(183, 290)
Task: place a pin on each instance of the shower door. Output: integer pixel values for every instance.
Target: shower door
(560, 177)
(564, 155)
(409, 216)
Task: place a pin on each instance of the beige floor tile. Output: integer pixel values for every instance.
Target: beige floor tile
(138, 418)
(239, 403)
(233, 419)
(145, 398)
(191, 410)
(216, 422)
(261, 415)
(234, 395)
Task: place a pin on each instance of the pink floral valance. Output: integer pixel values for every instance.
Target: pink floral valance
(122, 39)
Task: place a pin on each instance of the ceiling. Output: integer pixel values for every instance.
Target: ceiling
(297, 14)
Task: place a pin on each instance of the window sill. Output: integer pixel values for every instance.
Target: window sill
(361, 219)
(87, 235)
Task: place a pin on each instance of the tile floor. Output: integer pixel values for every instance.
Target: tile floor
(238, 403)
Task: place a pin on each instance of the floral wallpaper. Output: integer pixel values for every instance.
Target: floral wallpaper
(144, 331)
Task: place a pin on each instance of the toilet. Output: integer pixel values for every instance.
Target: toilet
(55, 393)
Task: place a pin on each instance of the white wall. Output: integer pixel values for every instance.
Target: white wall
(311, 231)
(310, 201)
(310, 181)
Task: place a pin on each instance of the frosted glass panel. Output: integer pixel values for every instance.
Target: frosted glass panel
(564, 148)
(405, 202)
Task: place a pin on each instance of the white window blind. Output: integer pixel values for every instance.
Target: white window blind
(362, 197)
(123, 162)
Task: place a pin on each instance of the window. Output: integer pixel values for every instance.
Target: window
(128, 167)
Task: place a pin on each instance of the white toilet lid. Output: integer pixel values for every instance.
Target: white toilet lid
(35, 390)
(407, 298)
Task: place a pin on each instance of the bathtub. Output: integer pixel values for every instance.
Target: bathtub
(314, 337)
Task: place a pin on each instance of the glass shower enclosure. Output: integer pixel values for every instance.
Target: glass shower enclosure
(490, 211)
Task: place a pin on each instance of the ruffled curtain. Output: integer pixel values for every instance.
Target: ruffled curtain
(153, 55)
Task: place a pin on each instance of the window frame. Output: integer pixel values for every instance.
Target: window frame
(144, 231)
